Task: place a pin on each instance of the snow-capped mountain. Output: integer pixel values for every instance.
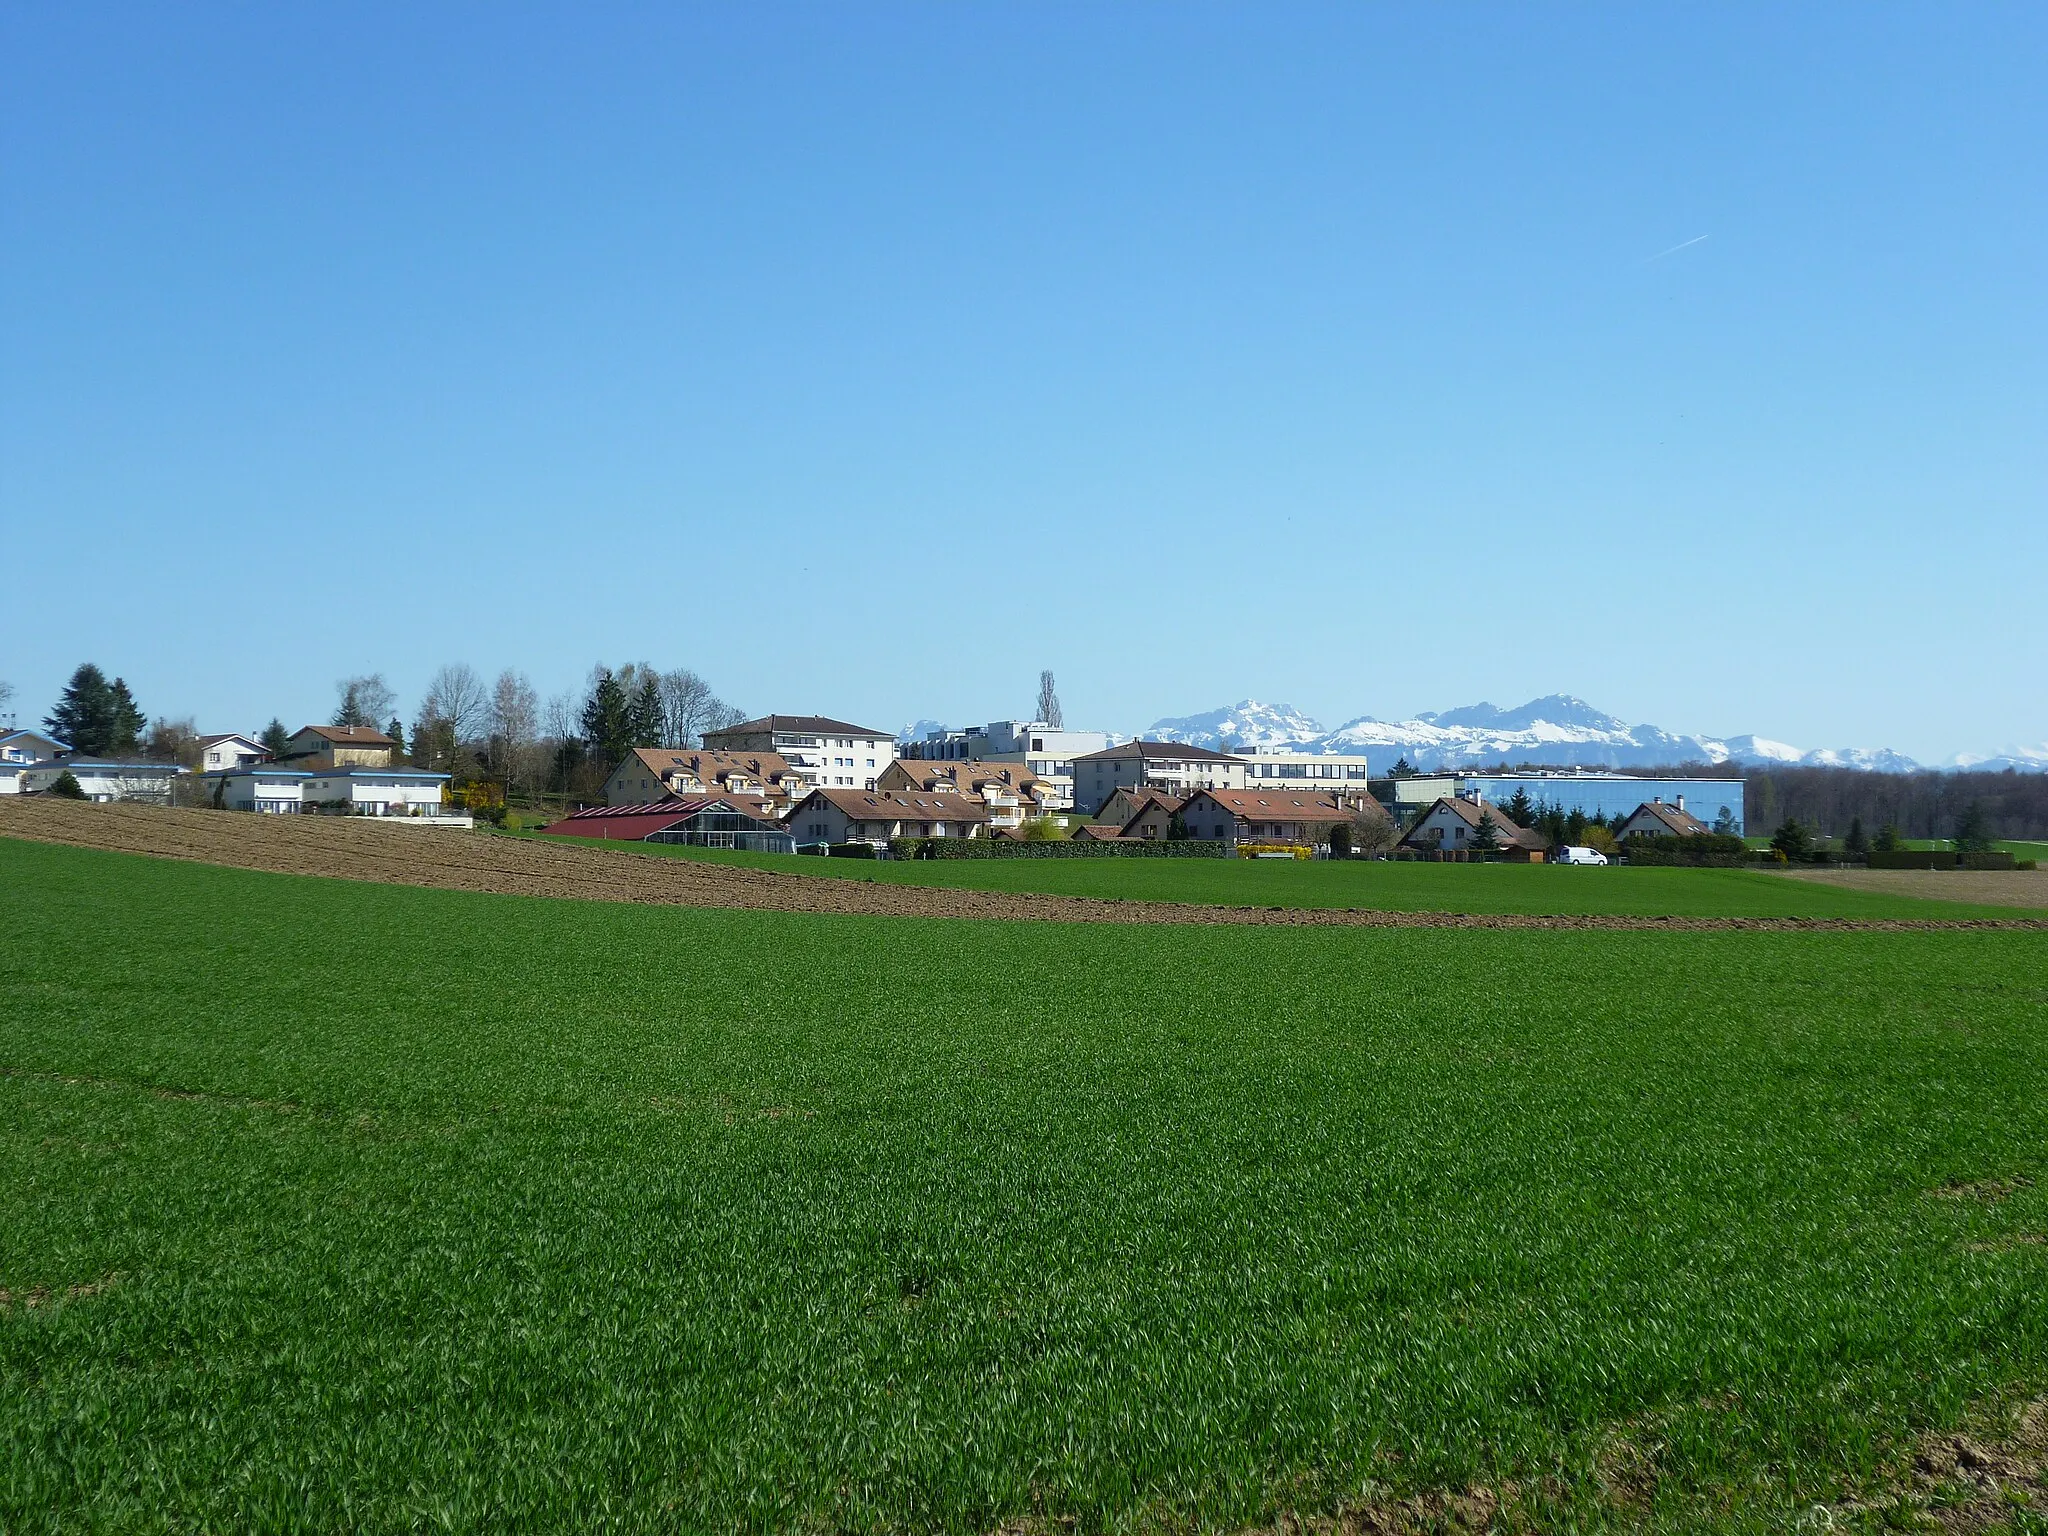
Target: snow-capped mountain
(2023, 759)
(1247, 723)
(1558, 730)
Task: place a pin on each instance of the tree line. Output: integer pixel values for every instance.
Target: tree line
(501, 731)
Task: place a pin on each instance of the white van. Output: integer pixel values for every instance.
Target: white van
(1570, 854)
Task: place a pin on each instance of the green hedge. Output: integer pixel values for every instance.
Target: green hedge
(1912, 858)
(1635, 855)
(1006, 848)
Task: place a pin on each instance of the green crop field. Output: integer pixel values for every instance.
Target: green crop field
(1379, 885)
(345, 1206)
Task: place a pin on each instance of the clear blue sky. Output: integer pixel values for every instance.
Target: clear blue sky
(868, 359)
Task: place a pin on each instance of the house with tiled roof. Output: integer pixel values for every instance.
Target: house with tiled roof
(759, 782)
(1450, 827)
(1012, 792)
(1654, 818)
(874, 816)
(1137, 811)
(1173, 766)
(339, 746)
(1233, 816)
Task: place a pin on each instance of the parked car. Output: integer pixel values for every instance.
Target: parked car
(1573, 854)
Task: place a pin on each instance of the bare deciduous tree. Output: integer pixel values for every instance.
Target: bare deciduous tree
(173, 741)
(1049, 701)
(689, 708)
(364, 701)
(515, 719)
(453, 714)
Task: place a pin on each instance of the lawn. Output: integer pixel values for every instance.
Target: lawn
(1377, 885)
(368, 1207)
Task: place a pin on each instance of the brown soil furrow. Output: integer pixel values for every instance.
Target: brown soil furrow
(409, 855)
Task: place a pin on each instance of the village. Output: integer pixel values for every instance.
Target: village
(794, 783)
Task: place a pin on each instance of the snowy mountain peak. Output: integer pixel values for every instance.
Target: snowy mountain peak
(1247, 723)
(1558, 730)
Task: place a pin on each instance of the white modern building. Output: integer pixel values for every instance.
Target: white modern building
(230, 751)
(824, 753)
(105, 781)
(412, 794)
(24, 747)
(1283, 768)
(263, 787)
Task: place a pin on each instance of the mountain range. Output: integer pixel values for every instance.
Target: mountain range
(1558, 730)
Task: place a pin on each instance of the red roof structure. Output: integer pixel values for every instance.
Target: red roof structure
(631, 823)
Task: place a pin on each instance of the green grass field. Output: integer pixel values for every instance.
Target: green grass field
(371, 1208)
(1382, 886)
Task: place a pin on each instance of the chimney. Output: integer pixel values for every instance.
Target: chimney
(1681, 802)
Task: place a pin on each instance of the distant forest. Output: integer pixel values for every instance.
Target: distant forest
(1918, 804)
(1826, 800)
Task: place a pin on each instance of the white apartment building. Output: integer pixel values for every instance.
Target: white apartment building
(263, 787)
(413, 794)
(149, 783)
(824, 753)
(1281, 768)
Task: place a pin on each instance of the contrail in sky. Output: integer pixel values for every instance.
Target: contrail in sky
(1695, 240)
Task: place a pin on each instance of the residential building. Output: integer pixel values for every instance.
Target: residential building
(1047, 752)
(857, 816)
(825, 753)
(24, 747)
(1234, 816)
(411, 794)
(1012, 793)
(1611, 795)
(264, 787)
(760, 783)
(229, 751)
(1284, 768)
(696, 821)
(1451, 826)
(1137, 812)
(1173, 766)
(1653, 818)
(103, 780)
(339, 746)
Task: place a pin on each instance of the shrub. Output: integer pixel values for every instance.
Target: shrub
(1911, 858)
(67, 787)
(1715, 850)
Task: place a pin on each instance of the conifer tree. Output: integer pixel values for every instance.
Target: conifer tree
(84, 718)
(275, 739)
(644, 716)
(128, 719)
(605, 718)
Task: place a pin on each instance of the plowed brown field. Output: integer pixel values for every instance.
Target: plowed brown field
(351, 849)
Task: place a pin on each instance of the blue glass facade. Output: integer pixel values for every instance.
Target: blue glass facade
(1611, 795)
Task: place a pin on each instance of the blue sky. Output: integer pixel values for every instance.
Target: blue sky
(868, 359)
